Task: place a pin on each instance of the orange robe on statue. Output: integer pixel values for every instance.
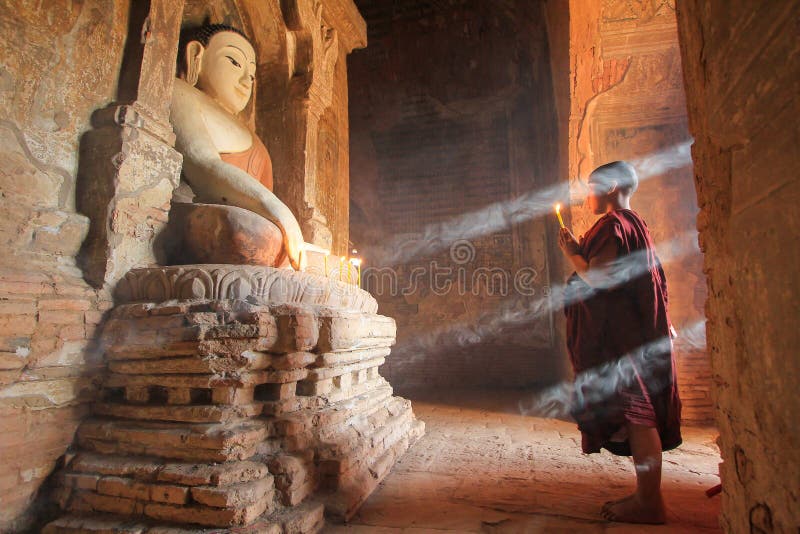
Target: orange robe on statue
(255, 161)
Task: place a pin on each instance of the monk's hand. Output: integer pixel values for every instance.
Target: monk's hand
(567, 242)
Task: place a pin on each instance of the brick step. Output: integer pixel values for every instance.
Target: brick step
(282, 328)
(148, 469)
(369, 424)
(87, 502)
(237, 495)
(326, 414)
(356, 343)
(159, 377)
(358, 406)
(323, 373)
(295, 476)
(332, 359)
(198, 370)
(146, 351)
(342, 387)
(179, 413)
(358, 483)
(94, 524)
(342, 393)
(365, 423)
(131, 341)
(194, 364)
(341, 331)
(333, 414)
(156, 395)
(349, 452)
(301, 402)
(307, 518)
(202, 442)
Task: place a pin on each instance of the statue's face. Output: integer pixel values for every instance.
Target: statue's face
(228, 70)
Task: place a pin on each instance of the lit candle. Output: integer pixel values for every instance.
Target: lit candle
(558, 214)
(325, 271)
(357, 263)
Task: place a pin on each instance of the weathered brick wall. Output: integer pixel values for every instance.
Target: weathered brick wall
(741, 74)
(452, 110)
(627, 102)
(48, 313)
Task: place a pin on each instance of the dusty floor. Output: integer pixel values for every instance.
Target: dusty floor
(482, 467)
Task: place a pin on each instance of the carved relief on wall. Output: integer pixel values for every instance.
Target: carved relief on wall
(641, 10)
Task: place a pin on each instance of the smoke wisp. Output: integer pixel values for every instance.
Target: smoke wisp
(600, 383)
(501, 215)
(517, 311)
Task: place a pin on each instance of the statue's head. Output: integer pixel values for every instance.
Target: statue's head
(220, 61)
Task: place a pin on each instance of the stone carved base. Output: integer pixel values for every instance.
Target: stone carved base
(243, 282)
(220, 415)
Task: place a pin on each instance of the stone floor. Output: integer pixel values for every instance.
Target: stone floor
(483, 467)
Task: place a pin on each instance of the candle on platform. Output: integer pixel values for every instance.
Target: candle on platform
(558, 214)
(325, 268)
(357, 264)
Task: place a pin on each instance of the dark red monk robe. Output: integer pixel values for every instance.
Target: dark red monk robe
(604, 325)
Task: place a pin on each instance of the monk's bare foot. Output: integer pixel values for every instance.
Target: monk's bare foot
(633, 510)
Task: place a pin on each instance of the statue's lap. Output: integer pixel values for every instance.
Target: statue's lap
(213, 233)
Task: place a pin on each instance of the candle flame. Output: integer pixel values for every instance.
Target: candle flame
(355, 261)
(558, 214)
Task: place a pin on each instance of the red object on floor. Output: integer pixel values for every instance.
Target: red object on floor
(710, 492)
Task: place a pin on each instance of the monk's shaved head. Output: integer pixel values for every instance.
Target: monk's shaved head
(620, 172)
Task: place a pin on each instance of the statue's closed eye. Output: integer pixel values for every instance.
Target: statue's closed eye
(235, 63)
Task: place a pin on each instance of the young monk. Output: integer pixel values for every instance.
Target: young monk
(617, 323)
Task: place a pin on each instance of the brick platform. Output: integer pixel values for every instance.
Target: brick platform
(234, 415)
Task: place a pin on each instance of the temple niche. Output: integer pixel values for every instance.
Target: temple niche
(212, 374)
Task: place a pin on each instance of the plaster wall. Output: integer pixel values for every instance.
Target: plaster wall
(742, 80)
(48, 314)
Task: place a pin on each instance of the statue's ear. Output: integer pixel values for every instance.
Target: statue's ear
(194, 57)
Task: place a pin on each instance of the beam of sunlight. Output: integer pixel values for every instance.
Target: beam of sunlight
(487, 220)
(518, 311)
(501, 215)
(600, 383)
(674, 157)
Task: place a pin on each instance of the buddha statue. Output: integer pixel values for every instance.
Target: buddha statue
(224, 211)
